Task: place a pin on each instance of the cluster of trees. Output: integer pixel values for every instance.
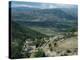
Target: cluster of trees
(70, 32)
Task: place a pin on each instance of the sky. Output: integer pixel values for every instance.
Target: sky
(39, 5)
(52, 1)
(32, 5)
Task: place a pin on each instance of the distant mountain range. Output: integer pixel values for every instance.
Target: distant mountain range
(61, 16)
(31, 11)
(29, 6)
(31, 14)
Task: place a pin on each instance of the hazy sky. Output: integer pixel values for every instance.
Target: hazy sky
(52, 1)
(39, 5)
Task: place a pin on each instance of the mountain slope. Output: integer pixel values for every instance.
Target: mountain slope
(19, 34)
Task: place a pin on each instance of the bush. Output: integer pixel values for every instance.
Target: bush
(39, 53)
(68, 51)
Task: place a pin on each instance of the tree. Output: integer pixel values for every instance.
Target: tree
(50, 46)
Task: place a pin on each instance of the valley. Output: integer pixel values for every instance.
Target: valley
(43, 31)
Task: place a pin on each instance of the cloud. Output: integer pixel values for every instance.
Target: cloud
(33, 5)
(47, 6)
(52, 6)
(22, 5)
(40, 5)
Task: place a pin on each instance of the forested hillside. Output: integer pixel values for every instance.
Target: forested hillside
(19, 35)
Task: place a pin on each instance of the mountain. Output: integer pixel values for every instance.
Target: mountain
(23, 9)
(57, 17)
(33, 25)
(24, 14)
(36, 5)
(72, 11)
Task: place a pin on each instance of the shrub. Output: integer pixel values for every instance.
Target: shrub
(68, 51)
(39, 53)
(50, 46)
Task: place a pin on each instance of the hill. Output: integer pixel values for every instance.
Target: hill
(19, 35)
